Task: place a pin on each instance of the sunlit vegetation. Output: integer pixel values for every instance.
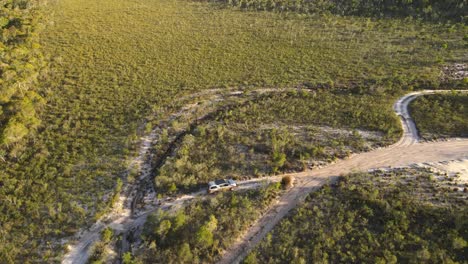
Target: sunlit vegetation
(441, 115)
(280, 132)
(435, 10)
(399, 216)
(115, 64)
(200, 231)
(21, 62)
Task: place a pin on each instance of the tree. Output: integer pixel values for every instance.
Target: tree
(278, 160)
(13, 133)
(251, 258)
(163, 229)
(128, 259)
(185, 254)
(172, 188)
(423, 254)
(212, 224)
(204, 235)
(106, 235)
(179, 219)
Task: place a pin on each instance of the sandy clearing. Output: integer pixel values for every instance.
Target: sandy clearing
(455, 167)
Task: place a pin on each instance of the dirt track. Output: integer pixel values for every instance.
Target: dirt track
(405, 152)
(122, 218)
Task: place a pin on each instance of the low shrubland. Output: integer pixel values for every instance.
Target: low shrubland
(114, 65)
(383, 217)
(279, 132)
(441, 115)
(199, 232)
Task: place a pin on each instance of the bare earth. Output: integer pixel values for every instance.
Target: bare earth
(407, 151)
(453, 168)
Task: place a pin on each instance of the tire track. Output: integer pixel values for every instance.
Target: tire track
(405, 150)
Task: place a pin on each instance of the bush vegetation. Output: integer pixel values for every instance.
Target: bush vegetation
(372, 218)
(111, 65)
(199, 232)
(287, 181)
(100, 248)
(441, 115)
(278, 132)
(21, 61)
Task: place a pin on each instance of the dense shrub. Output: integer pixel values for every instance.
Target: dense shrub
(441, 115)
(20, 64)
(202, 230)
(366, 219)
(278, 132)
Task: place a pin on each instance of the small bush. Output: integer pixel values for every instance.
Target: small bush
(106, 235)
(287, 181)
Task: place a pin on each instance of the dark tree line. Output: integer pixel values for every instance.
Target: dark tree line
(425, 9)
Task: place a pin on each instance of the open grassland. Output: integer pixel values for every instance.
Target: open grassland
(114, 63)
(441, 115)
(395, 216)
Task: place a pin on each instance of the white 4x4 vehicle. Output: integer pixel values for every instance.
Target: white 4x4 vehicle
(221, 185)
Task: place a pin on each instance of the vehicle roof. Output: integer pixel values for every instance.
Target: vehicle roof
(220, 181)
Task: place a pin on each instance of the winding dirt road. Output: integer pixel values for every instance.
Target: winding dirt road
(122, 218)
(406, 151)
